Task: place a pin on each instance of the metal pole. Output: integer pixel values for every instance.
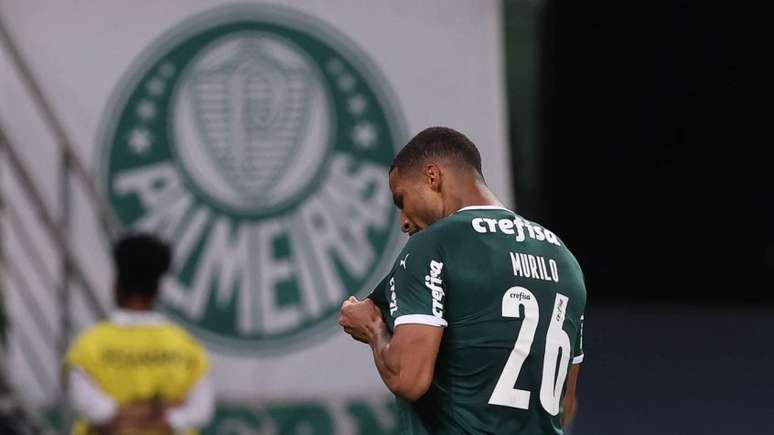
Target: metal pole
(24, 290)
(64, 290)
(25, 340)
(49, 224)
(34, 257)
(3, 316)
(106, 216)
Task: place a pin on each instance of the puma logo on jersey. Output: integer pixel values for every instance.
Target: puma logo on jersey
(433, 282)
(403, 262)
(516, 227)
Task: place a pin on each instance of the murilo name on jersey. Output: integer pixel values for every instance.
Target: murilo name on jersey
(534, 266)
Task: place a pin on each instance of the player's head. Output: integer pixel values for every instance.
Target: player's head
(140, 260)
(435, 164)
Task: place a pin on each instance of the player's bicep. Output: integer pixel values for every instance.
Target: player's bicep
(416, 346)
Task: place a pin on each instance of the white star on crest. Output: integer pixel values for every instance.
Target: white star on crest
(346, 82)
(167, 70)
(139, 140)
(357, 104)
(335, 67)
(364, 135)
(155, 87)
(146, 110)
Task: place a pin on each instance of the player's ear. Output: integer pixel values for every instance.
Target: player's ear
(434, 176)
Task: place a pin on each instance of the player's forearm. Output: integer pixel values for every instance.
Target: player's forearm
(570, 401)
(386, 365)
(391, 363)
(569, 410)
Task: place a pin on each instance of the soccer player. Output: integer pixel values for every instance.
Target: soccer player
(137, 373)
(477, 327)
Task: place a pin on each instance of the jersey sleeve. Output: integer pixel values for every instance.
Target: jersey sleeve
(419, 286)
(378, 294)
(577, 351)
(379, 297)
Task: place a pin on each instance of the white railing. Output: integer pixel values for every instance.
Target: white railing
(39, 271)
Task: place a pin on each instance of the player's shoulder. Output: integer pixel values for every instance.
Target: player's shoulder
(90, 340)
(99, 331)
(181, 335)
(442, 230)
(431, 239)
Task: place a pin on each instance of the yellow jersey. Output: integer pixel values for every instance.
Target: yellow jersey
(138, 362)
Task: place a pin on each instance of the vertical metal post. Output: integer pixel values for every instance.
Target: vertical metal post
(3, 279)
(65, 195)
(3, 318)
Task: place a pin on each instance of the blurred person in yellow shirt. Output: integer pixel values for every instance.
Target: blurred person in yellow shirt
(137, 373)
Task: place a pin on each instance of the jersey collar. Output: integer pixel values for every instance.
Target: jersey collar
(136, 318)
(483, 207)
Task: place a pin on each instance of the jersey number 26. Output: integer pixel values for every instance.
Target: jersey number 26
(552, 381)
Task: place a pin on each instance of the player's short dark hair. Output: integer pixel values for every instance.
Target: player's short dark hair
(140, 260)
(438, 142)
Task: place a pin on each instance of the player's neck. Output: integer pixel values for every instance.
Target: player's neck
(135, 304)
(470, 194)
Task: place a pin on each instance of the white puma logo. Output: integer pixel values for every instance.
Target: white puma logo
(403, 262)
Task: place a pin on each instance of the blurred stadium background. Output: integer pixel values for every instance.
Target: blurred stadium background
(638, 131)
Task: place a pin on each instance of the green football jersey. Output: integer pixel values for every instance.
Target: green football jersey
(511, 297)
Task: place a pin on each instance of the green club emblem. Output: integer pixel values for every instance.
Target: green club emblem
(258, 141)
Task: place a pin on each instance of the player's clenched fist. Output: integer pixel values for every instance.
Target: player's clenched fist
(361, 319)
